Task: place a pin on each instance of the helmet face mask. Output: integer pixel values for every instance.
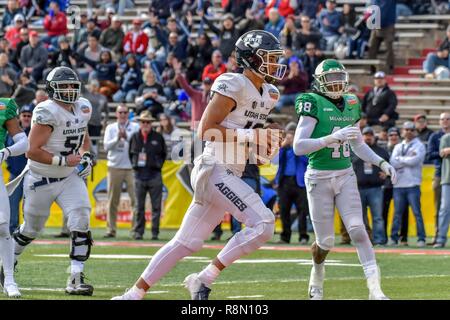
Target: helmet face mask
(260, 51)
(62, 85)
(67, 91)
(270, 66)
(331, 79)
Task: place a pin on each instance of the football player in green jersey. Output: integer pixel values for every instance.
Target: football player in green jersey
(327, 128)
(8, 124)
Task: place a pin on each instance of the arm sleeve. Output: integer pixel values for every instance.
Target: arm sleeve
(20, 145)
(303, 144)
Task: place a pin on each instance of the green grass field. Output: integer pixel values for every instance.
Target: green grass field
(405, 275)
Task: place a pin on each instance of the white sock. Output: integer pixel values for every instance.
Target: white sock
(76, 266)
(7, 257)
(318, 267)
(136, 293)
(208, 275)
(370, 269)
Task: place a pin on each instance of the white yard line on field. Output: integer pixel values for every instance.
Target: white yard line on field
(240, 297)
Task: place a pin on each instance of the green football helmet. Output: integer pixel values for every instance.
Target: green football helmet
(331, 79)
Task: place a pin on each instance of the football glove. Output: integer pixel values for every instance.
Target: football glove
(4, 154)
(85, 165)
(389, 170)
(342, 135)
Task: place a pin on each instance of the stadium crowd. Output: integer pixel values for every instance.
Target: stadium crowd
(165, 68)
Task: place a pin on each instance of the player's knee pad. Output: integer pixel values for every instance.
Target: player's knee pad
(4, 230)
(80, 245)
(22, 239)
(325, 243)
(358, 234)
(194, 244)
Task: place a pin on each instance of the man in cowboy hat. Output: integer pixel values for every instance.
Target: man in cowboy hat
(147, 153)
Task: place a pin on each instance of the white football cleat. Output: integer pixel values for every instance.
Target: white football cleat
(378, 296)
(128, 295)
(11, 290)
(374, 285)
(315, 288)
(196, 288)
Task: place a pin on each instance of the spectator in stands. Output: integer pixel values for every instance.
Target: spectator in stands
(275, 23)
(99, 105)
(444, 211)
(310, 60)
(10, 12)
(150, 95)
(253, 21)
(199, 97)
(434, 156)
(309, 8)
(105, 72)
(90, 53)
(15, 166)
(284, 7)
(25, 90)
(135, 41)
(228, 33)
(330, 21)
(63, 57)
(370, 180)
(307, 33)
(104, 24)
(40, 96)
(80, 31)
(147, 154)
(130, 81)
(22, 43)
(8, 77)
(112, 37)
(13, 32)
(90, 30)
(177, 45)
(163, 9)
(215, 68)
(168, 78)
(380, 103)
(438, 58)
(198, 56)
(407, 158)
(55, 23)
(172, 136)
(348, 18)
(382, 137)
(386, 33)
(288, 32)
(238, 8)
(294, 83)
(359, 40)
(290, 180)
(423, 132)
(33, 58)
(393, 139)
(116, 143)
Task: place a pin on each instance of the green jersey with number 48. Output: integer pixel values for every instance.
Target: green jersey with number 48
(329, 119)
(8, 111)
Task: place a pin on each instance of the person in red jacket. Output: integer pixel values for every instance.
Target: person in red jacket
(135, 41)
(215, 68)
(285, 7)
(56, 25)
(13, 32)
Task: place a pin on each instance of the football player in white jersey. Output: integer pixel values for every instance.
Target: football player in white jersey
(59, 160)
(234, 117)
(8, 124)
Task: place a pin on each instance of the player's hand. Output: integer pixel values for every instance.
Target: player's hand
(86, 164)
(4, 154)
(342, 135)
(73, 160)
(389, 170)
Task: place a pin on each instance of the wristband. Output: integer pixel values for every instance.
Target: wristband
(245, 135)
(381, 162)
(59, 161)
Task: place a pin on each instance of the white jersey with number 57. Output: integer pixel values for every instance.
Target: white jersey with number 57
(68, 131)
(251, 111)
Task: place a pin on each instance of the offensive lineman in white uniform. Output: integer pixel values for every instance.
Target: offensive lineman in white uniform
(235, 116)
(59, 142)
